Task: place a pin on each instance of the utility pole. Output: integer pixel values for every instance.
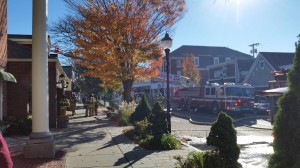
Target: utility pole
(254, 50)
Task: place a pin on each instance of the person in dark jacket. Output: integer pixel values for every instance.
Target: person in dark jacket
(5, 158)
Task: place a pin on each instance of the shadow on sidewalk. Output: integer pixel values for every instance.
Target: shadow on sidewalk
(134, 156)
(79, 132)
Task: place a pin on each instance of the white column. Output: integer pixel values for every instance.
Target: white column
(40, 88)
(41, 143)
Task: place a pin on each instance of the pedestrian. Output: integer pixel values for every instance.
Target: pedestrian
(5, 158)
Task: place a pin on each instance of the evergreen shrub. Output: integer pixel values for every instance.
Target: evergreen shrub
(286, 128)
(142, 111)
(223, 137)
(158, 120)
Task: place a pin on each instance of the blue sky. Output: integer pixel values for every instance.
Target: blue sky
(230, 23)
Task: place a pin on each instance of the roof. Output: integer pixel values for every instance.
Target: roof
(278, 59)
(20, 51)
(15, 50)
(208, 51)
(274, 92)
(68, 70)
(19, 36)
(245, 65)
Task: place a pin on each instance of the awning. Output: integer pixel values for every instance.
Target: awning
(274, 92)
(8, 76)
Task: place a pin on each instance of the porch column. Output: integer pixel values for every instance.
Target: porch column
(40, 144)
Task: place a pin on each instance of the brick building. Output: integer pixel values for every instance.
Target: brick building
(4, 75)
(19, 63)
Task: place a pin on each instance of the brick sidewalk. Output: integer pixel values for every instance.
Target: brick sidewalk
(20, 162)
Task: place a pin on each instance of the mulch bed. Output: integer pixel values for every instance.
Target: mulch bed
(21, 162)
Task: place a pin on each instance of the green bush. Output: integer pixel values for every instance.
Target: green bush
(158, 120)
(19, 126)
(223, 137)
(161, 142)
(169, 142)
(142, 110)
(142, 135)
(125, 111)
(287, 121)
(141, 129)
(212, 160)
(194, 159)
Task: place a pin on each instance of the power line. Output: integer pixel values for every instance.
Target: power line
(254, 50)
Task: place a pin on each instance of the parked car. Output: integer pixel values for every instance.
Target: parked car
(261, 105)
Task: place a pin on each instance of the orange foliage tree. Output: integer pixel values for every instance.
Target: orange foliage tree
(117, 40)
(189, 69)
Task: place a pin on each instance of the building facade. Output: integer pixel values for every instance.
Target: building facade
(205, 56)
(19, 63)
(233, 71)
(261, 71)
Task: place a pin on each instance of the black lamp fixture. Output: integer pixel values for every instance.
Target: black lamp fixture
(61, 77)
(64, 84)
(166, 42)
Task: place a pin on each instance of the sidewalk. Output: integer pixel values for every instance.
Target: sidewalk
(95, 142)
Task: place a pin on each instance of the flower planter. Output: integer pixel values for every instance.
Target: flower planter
(63, 110)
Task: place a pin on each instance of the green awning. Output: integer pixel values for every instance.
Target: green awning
(8, 76)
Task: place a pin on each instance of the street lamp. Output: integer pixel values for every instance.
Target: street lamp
(167, 44)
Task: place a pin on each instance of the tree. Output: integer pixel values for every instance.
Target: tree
(189, 69)
(141, 112)
(88, 85)
(117, 40)
(223, 137)
(286, 128)
(158, 120)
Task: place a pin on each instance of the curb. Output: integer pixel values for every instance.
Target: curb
(208, 123)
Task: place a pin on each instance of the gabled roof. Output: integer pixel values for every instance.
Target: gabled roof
(208, 51)
(68, 70)
(277, 59)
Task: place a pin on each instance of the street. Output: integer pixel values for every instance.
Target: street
(253, 135)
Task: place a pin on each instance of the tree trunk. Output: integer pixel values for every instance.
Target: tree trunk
(127, 95)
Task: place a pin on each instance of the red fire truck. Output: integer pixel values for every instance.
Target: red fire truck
(215, 97)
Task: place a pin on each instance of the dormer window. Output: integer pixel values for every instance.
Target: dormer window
(216, 60)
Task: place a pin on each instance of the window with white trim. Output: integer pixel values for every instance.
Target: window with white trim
(261, 64)
(196, 61)
(228, 59)
(216, 60)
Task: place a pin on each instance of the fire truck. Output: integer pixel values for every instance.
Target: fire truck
(228, 97)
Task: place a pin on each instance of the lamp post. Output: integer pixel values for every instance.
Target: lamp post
(167, 44)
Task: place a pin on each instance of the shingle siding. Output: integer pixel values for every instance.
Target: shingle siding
(259, 76)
